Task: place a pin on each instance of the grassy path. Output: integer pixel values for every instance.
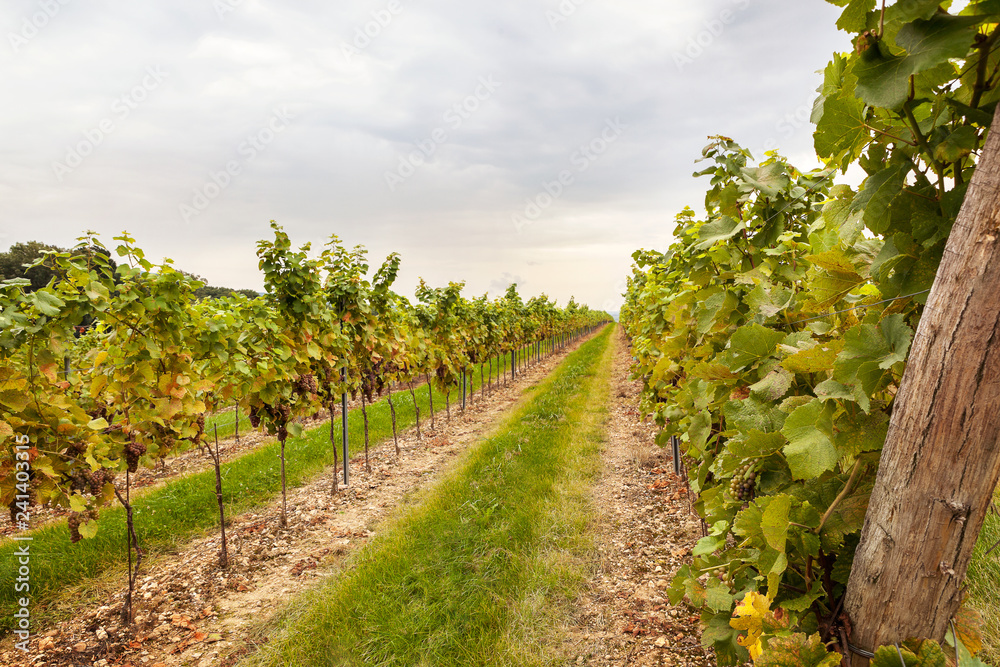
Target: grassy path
(184, 507)
(476, 573)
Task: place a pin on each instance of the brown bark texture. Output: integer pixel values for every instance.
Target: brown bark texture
(941, 460)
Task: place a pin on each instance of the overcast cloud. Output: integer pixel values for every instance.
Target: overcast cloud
(534, 141)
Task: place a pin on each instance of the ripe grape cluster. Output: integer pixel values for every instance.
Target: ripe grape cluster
(278, 414)
(744, 483)
(133, 451)
(306, 384)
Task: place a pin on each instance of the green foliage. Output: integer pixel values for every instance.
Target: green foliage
(147, 359)
(774, 332)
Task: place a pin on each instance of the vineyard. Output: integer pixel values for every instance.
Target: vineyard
(786, 453)
(109, 371)
(773, 337)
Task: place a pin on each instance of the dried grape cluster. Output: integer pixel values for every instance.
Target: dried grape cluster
(743, 484)
(14, 507)
(306, 384)
(278, 414)
(133, 451)
(97, 479)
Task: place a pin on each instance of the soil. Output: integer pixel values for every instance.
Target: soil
(647, 531)
(189, 611)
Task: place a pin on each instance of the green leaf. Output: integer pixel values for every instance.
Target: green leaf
(831, 389)
(754, 444)
(907, 10)
(925, 653)
(856, 433)
(718, 230)
(810, 451)
(774, 385)
(842, 127)
(803, 602)
(717, 596)
(879, 191)
(46, 302)
(855, 17)
(751, 414)
(870, 352)
(797, 650)
(751, 343)
(769, 179)
(774, 522)
(961, 142)
(883, 79)
(709, 544)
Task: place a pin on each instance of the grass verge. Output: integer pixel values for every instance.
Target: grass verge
(476, 573)
(169, 516)
(984, 584)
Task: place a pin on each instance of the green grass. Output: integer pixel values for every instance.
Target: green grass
(984, 584)
(479, 571)
(171, 515)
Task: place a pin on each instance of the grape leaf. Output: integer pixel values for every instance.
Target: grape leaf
(755, 444)
(774, 385)
(718, 230)
(855, 17)
(924, 653)
(769, 179)
(883, 78)
(751, 343)
(870, 351)
(774, 521)
(797, 650)
(751, 414)
(842, 127)
(814, 360)
(810, 451)
(878, 192)
(717, 595)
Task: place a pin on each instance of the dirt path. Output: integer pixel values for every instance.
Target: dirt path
(647, 532)
(190, 612)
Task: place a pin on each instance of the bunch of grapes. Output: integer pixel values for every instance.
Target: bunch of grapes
(74, 527)
(306, 384)
(14, 508)
(97, 479)
(134, 450)
(254, 417)
(743, 483)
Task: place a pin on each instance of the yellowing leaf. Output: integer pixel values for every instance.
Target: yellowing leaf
(77, 503)
(798, 650)
(749, 617)
(88, 530)
(814, 360)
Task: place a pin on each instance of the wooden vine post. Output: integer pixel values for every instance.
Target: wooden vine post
(941, 460)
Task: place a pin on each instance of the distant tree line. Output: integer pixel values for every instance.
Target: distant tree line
(14, 264)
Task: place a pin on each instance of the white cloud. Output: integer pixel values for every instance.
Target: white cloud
(354, 117)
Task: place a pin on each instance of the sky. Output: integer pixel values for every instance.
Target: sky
(531, 141)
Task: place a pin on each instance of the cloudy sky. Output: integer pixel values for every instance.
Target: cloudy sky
(534, 141)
